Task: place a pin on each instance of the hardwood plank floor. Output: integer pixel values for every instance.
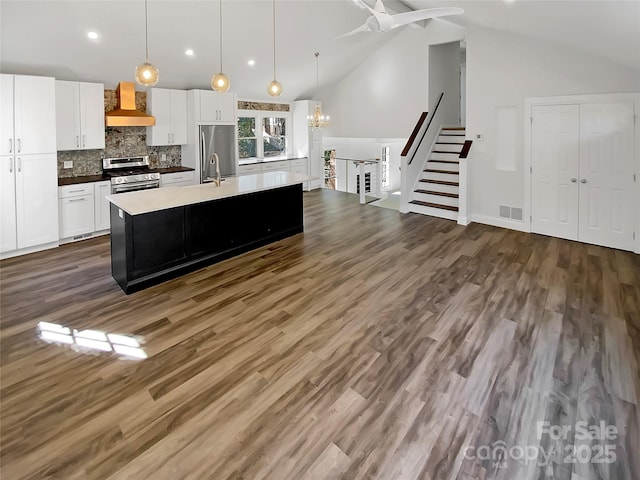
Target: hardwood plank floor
(373, 346)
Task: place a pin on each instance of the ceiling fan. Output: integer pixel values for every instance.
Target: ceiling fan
(381, 21)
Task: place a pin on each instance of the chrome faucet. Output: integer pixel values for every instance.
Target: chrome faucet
(217, 180)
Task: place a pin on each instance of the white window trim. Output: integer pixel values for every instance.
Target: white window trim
(259, 115)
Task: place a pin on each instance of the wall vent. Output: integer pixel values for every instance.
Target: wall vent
(513, 213)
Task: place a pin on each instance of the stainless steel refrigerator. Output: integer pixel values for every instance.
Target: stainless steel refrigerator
(221, 141)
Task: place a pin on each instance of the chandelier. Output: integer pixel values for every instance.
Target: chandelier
(318, 120)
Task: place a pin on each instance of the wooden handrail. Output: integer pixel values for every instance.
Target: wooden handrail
(435, 110)
(464, 153)
(414, 134)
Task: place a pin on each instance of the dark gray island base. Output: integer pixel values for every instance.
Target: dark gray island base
(150, 248)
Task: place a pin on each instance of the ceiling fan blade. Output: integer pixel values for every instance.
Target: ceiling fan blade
(400, 19)
(362, 28)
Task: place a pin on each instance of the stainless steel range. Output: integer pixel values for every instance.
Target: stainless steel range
(130, 174)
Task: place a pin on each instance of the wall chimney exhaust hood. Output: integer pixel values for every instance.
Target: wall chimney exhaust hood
(125, 114)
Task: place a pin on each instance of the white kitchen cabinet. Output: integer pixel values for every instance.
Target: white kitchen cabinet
(308, 142)
(169, 107)
(8, 238)
(281, 165)
(29, 168)
(28, 115)
(214, 107)
(79, 115)
(36, 209)
(178, 179)
(6, 115)
(101, 206)
(248, 169)
(300, 166)
(76, 206)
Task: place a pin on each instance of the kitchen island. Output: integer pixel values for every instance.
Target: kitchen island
(162, 233)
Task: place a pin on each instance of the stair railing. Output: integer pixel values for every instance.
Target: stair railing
(418, 146)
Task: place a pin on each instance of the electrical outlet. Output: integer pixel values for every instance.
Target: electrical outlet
(68, 164)
(479, 137)
(163, 157)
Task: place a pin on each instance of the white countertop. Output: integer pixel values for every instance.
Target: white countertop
(146, 201)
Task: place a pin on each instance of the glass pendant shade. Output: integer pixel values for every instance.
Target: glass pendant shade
(274, 88)
(147, 74)
(220, 82)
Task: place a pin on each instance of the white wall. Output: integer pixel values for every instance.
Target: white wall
(384, 95)
(444, 76)
(502, 70)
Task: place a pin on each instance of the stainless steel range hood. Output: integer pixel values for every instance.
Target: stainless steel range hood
(125, 114)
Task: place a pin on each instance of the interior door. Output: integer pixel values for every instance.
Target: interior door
(555, 150)
(606, 190)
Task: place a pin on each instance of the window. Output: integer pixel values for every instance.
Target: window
(262, 134)
(274, 138)
(247, 139)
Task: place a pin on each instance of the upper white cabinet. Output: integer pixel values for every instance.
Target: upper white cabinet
(79, 115)
(28, 118)
(169, 107)
(214, 107)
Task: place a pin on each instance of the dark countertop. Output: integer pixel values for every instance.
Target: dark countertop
(62, 181)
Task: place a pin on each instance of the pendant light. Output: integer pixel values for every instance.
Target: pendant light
(146, 73)
(318, 120)
(274, 88)
(220, 82)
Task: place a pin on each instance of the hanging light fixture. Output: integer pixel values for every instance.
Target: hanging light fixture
(146, 73)
(274, 88)
(220, 82)
(318, 120)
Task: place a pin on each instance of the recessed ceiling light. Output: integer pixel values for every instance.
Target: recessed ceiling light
(189, 52)
(92, 35)
(251, 62)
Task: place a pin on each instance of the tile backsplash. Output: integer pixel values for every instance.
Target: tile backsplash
(119, 142)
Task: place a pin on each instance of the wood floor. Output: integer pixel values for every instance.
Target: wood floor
(373, 346)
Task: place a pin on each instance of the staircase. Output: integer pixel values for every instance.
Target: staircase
(437, 190)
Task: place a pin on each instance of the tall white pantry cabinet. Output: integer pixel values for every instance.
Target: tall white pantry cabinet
(28, 164)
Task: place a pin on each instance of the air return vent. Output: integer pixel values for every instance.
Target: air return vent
(511, 212)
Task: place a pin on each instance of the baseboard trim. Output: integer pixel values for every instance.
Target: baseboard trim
(25, 251)
(500, 222)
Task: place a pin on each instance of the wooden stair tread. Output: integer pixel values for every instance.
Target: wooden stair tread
(454, 162)
(434, 205)
(443, 151)
(433, 170)
(453, 128)
(441, 182)
(433, 192)
(449, 143)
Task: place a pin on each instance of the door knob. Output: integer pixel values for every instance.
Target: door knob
(584, 180)
(574, 180)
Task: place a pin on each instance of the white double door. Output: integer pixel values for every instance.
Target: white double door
(583, 184)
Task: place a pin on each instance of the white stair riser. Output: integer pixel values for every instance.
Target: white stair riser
(425, 197)
(437, 188)
(439, 176)
(453, 132)
(448, 139)
(444, 156)
(449, 167)
(433, 212)
(444, 147)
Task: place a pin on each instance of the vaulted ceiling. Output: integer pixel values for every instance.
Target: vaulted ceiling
(50, 37)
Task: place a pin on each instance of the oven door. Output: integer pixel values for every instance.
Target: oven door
(132, 187)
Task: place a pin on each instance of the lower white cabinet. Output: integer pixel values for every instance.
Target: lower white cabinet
(178, 179)
(298, 165)
(29, 213)
(101, 205)
(76, 206)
